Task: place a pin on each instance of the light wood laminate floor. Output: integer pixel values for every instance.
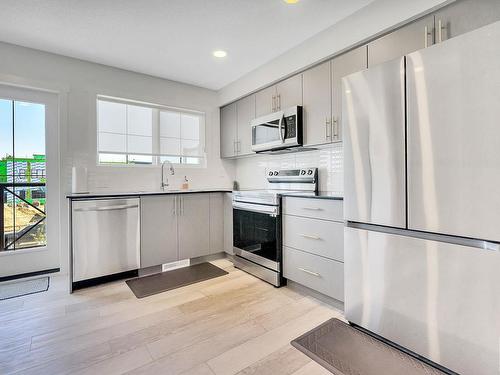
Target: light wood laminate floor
(235, 324)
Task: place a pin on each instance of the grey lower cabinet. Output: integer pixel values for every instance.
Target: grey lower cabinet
(313, 244)
(194, 225)
(181, 226)
(159, 243)
(465, 15)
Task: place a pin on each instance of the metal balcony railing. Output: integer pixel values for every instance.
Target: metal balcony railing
(31, 233)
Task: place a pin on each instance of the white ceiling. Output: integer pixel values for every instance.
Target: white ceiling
(172, 39)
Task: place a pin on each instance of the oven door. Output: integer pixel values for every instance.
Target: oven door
(257, 234)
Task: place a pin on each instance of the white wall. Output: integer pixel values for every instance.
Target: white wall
(78, 82)
(251, 172)
(374, 19)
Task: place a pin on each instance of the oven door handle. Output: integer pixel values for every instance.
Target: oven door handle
(259, 208)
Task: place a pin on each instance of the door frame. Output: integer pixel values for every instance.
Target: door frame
(33, 260)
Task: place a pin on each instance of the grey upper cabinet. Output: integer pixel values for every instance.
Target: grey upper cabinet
(245, 113)
(265, 101)
(284, 94)
(216, 223)
(228, 130)
(158, 230)
(409, 38)
(289, 92)
(465, 15)
(317, 102)
(193, 224)
(343, 65)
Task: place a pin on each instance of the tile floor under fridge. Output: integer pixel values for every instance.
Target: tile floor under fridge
(234, 324)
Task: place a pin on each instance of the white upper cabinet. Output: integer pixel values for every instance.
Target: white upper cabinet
(343, 65)
(245, 113)
(317, 102)
(409, 38)
(228, 130)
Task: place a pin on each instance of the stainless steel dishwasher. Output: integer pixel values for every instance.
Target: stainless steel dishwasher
(105, 237)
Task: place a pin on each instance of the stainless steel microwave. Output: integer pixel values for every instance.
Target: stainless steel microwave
(277, 130)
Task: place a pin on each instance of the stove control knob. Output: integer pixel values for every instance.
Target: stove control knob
(302, 172)
(310, 172)
(270, 173)
(275, 173)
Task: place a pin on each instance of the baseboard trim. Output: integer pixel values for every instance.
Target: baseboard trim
(29, 274)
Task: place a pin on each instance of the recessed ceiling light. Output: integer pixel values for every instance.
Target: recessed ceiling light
(291, 1)
(220, 53)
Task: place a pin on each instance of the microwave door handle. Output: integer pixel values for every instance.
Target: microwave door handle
(281, 128)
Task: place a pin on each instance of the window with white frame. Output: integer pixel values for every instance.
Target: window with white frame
(136, 133)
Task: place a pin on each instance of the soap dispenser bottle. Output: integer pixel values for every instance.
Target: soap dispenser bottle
(185, 183)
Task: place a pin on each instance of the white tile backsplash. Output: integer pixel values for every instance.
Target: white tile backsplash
(251, 172)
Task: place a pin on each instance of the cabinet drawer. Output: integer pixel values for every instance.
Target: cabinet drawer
(323, 275)
(325, 209)
(320, 237)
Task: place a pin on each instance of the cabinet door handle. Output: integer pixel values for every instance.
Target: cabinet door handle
(440, 30)
(312, 208)
(335, 128)
(310, 237)
(273, 105)
(310, 272)
(238, 147)
(327, 128)
(426, 36)
(174, 211)
(279, 102)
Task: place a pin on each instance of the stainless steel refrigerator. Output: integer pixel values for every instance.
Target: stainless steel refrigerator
(422, 201)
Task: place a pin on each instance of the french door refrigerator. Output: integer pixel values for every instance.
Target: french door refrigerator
(422, 201)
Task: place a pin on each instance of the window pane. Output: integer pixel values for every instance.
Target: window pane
(192, 161)
(140, 159)
(140, 120)
(172, 159)
(112, 142)
(29, 130)
(191, 148)
(170, 146)
(112, 159)
(190, 126)
(170, 124)
(139, 144)
(112, 117)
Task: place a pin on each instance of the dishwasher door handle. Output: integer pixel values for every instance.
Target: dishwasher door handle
(109, 208)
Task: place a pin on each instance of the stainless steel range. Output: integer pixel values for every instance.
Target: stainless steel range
(257, 222)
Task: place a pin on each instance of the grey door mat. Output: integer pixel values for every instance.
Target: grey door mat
(18, 288)
(344, 350)
(161, 282)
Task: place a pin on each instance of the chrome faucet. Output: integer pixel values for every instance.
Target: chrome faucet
(172, 172)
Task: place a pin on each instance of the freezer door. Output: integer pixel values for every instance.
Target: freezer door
(437, 299)
(373, 117)
(453, 92)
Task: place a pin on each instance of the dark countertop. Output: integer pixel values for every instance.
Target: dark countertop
(316, 195)
(74, 196)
